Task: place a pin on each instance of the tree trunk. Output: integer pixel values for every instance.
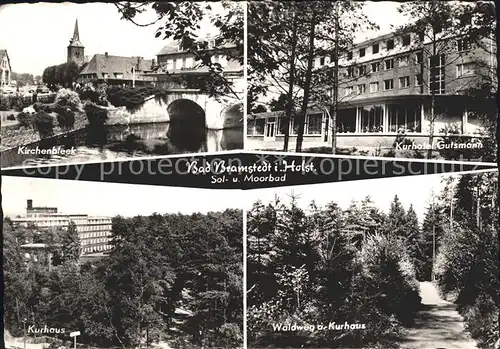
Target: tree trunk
(334, 108)
(289, 106)
(307, 84)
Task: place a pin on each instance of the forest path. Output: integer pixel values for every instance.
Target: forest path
(438, 325)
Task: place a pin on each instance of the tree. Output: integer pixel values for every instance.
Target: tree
(396, 219)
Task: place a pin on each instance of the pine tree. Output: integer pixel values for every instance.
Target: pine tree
(396, 219)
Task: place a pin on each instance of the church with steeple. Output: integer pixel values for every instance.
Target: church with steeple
(76, 48)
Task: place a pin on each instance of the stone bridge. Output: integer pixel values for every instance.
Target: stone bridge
(185, 105)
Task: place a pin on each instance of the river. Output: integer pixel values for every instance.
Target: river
(125, 142)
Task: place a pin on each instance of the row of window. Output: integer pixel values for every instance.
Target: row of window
(97, 234)
(94, 241)
(272, 126)
(97, 248)
(437, 80)
(462, 45)
(189, 62)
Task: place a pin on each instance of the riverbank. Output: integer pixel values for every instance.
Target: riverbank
(14, 136)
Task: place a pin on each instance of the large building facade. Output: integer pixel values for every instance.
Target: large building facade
(178, 68)
(386, 86)
(94, 232)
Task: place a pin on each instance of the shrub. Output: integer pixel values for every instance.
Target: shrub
(388, 273)
(11, 117)
(467, 264)
(24, 120)
(130, 97)
(66, 98)
(96, 115)
(45, 107)
(66, 118)
(44, 124)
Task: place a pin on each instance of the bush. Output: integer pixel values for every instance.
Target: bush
(67, 99)
(96, 115)
(24, 120)
(96, 95)
(45, 107)
(65, 118)
(130, 97)
(388, 273)
(467, 265)
(44, 124)
(11, 117)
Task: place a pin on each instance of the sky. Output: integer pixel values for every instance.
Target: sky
(37, 35)
(110, 199)
(415, 190)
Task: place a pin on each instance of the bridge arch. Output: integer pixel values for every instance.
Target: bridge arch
(186, 111)
(232, 116)
(187, 130)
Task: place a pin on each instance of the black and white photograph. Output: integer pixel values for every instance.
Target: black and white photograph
(408, 262)
(94, 81)
(132, 267)
(415, 79)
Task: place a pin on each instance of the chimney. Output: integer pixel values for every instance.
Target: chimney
(106, 54)
(153, 63)
(29, 204)
(139, 63)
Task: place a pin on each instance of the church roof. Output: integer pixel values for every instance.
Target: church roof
(103, 63)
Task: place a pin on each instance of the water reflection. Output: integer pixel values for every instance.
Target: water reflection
(126, 141)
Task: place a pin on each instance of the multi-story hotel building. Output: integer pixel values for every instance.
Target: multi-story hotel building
(385, 89)
(94, 232)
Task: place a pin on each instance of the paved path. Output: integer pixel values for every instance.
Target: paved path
(438, 325)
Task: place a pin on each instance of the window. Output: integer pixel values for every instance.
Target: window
(371, 119)
(350, 72)
(404, 82)
(119, 75)
(314, 122)
(403, 61)
(348, 90)
(404, 117)
(349, 55)
(390, 44)
(362, 52)
(322, 61)
(375, 48)
(419, 80)
(465, 69)
(419, 57)
(259, 126)
(361, 70)
(389, 64)
(104, 75)
(406, 40)
(374, 86)
(174, 64)
(437, 74)
(388, 84)
(361, 89)
(346, 120)
(463, 45)
(375, 67)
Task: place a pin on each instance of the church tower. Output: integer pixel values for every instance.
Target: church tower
(75, 48)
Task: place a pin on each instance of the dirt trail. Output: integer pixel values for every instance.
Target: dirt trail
(438, 325)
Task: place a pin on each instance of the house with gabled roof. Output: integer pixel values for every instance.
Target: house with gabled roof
(5, 68)
(116, 70)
